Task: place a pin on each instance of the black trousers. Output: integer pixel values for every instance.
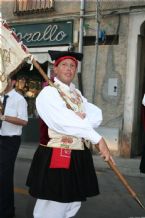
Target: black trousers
(9, 146)
(142, 163)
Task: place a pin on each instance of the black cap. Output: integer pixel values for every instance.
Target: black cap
(58, 54)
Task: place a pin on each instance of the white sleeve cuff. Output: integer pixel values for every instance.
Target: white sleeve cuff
(95, 137)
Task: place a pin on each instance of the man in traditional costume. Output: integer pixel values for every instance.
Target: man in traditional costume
(62, 173)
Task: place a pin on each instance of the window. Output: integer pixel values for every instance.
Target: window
(23, 7)
(108, 40)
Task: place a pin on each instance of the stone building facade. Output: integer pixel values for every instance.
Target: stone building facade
(112, 74)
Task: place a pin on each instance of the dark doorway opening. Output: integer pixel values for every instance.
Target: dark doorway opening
(138, 136)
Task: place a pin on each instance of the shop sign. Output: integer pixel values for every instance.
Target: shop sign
(45, 34)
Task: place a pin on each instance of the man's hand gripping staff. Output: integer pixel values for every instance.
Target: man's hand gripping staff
(104, 151)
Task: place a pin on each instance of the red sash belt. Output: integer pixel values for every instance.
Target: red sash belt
(60, 158)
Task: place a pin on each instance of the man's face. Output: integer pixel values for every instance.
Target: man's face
(65, 71)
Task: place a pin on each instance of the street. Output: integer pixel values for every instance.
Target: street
(113, 202)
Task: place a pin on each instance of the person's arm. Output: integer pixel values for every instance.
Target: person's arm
(22, 114)
(93, 113)
(104, 150)
(52, 109)
(13, 120)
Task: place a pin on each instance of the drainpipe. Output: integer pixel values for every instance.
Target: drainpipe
(82, 9)
(96, 49)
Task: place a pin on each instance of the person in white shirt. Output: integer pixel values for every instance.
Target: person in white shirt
(143, 100)
(142, 162)
(13, 117)
(62, 173)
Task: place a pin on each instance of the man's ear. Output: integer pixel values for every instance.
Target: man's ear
(55, 70)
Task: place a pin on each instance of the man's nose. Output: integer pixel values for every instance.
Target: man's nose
(70, 66)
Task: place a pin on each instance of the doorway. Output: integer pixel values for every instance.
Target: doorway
(138, 131)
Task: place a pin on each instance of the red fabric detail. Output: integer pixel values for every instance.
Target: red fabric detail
(65, 57)
(44, 138)
(60, 158)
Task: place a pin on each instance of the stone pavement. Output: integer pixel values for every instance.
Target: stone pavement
(113, 201)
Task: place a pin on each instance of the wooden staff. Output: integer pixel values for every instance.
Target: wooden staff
(41, 71)
(1, 106)
(125, 183)
(110, 163)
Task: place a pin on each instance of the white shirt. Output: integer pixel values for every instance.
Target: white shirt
(52, 109)
(16, 106)
(143, 100)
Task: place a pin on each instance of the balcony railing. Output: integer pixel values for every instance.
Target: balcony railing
(23, 7)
